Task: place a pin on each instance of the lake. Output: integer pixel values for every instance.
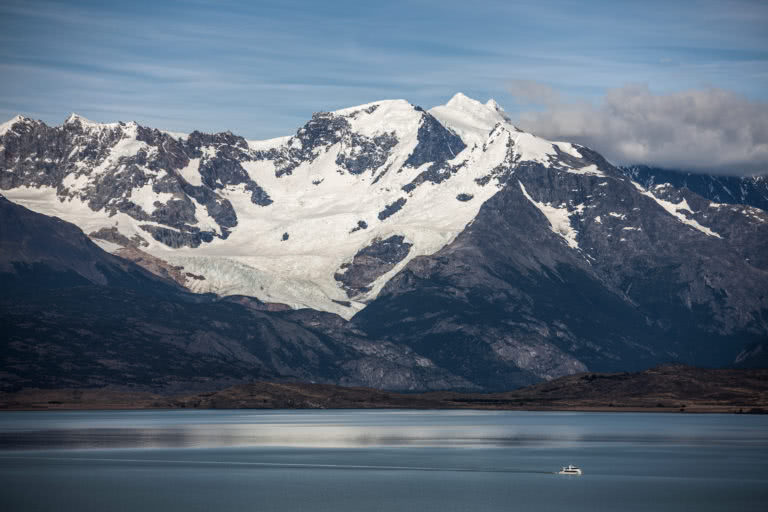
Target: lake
(376, 460)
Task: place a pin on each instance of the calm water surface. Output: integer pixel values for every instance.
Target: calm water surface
(380, 461)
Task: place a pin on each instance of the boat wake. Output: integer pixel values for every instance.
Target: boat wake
(295, 465)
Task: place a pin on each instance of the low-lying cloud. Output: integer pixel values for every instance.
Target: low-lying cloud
(710, 130)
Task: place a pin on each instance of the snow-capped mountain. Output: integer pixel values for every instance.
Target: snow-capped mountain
(500, 256)
(284, 219)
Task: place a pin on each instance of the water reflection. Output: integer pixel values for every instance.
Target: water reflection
(305, 435)
(356, 429)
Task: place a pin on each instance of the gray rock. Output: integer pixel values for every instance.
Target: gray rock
(371, 262)
(392, 208)
(36, 155)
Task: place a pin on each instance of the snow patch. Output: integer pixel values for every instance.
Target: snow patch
(266, 145)
(109, 247)
(559, 219)
(127, 146)
(568, 148)
(204, 221)
(191, 172)
(676, 209)
(533, 149)
(75, 182)
(146, 198)
(176, 135)
(589, 170)
(755, 214)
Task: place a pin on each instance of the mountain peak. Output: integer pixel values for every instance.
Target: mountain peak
(471, 119)
(74, 118)
(370, 119)
(396, 104)
(4, 127)
(461, 100)
(87, 125)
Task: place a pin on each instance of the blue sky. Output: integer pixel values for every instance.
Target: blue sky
(260, 69)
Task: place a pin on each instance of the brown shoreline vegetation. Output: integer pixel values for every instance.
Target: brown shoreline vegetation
(671, 388)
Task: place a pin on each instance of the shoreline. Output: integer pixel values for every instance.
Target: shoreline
(666, 390)
(154, 403)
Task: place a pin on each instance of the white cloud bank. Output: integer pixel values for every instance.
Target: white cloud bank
(708, 130)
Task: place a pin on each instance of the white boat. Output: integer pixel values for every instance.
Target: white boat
(570, 470)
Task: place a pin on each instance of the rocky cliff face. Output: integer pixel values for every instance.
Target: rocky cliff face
(449, 234)
(124, 168)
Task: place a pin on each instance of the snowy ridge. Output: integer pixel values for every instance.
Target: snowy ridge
(469, 118)
(282, 219)
(87, 124)
(6, 126)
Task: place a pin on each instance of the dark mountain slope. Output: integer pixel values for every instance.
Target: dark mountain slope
(40, 251)
(73, 315)
(509, 302)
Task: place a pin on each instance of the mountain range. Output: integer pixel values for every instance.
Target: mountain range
(381, 245)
